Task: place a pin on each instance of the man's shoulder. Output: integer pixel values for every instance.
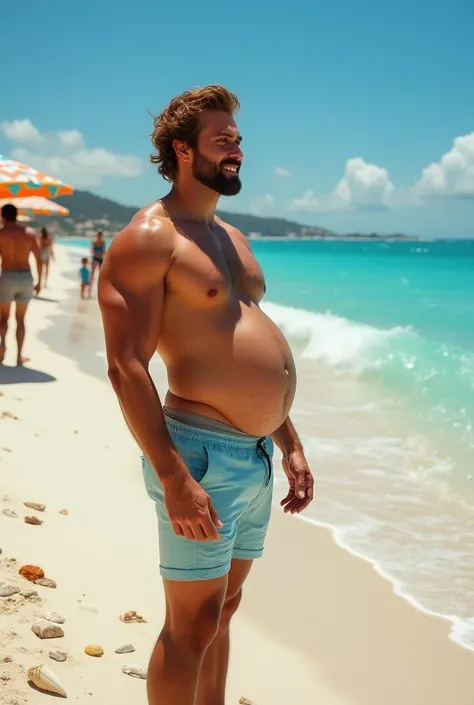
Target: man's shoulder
(149, 233)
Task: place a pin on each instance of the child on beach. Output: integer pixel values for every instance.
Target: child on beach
(84, 273)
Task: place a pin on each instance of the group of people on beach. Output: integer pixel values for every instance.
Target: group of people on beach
(18, 243)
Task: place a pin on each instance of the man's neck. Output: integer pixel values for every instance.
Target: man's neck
(192, 202)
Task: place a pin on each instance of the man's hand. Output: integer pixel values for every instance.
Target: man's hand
(301, 482)
(190, 510)
(37, 289)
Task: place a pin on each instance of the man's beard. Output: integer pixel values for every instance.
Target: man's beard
(211, 175)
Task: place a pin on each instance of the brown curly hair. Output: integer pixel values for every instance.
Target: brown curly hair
(180, 121)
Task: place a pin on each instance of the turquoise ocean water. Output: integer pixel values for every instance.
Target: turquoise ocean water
(383, 333)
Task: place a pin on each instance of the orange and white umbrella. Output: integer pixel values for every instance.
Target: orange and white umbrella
(18, 180)
(35, 205)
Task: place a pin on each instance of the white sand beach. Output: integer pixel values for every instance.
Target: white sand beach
(318, 625)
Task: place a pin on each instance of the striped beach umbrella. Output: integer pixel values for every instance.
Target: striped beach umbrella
(35, 205)
(19, 180)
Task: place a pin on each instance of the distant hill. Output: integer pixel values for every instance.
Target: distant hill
(89, 212)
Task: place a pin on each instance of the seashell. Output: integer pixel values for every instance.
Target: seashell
(125, 649)
(45, 582)
(33, 520)
(35, 505)
(135, 671)
(131, 616)
(94, 650)
(31, 572)
(43, 678)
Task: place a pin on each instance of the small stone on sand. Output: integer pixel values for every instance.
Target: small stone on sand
(135, 671)
(131, 616)
(46, 630)
(125, 649)
(54, 617)
(94, 650)
(33, 520)
(8, 589)
(58, 655)
(31, 572)
(7, 659)
(10, 513)
(46, 582)
(35, 505)
(64, 512)
(27, 594)
(244, 701)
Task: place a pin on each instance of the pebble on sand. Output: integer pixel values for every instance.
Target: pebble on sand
(46, 582)
(31, 572)
(131, 616)
(64, 512)
(54, 617)
(94, 650)
(46, 630)
(244, 701)
(33, 520)
(35, 505)
(58, 655)
(125, 649)
(27, 594)
(8, 589)
(135, 671)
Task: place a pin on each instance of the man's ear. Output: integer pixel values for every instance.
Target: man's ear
(183, 151)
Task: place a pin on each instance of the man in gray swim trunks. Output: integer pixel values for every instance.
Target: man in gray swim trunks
(181, 282)
(17, 243)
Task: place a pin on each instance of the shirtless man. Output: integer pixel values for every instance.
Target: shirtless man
(179, 281)
(16, 281)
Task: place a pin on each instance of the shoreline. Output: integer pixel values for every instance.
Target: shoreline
(321, 620)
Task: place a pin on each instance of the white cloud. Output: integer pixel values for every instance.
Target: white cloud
(65, 155)
(364, 186)
(452, 176)
(281, 171)
(22, 131)
(262, 204)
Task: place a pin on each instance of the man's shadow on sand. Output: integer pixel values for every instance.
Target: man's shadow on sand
(23, 375)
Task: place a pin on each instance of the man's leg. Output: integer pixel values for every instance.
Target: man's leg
(214, 669)
(4, 316)
(20, 331)
(193, 611)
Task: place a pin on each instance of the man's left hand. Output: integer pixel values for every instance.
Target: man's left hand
(301, 482)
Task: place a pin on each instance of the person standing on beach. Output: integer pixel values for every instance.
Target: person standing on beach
(85, 276)
(181, 282)
(45, 243)
(17, 243)
(98, 252)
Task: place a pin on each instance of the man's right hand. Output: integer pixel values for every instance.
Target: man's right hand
(190, 510)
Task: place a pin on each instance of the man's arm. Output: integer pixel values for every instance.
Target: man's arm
(36, 254)
(296, 468)
(130, 294)
(286, 438)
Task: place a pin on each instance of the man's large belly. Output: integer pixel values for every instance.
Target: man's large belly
(242, 373)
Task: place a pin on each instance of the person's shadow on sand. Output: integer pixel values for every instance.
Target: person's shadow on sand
(23, 375)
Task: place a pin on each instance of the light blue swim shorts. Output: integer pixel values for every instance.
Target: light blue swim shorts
(236, 471)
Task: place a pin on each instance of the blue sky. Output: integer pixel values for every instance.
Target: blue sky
(355, 115)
